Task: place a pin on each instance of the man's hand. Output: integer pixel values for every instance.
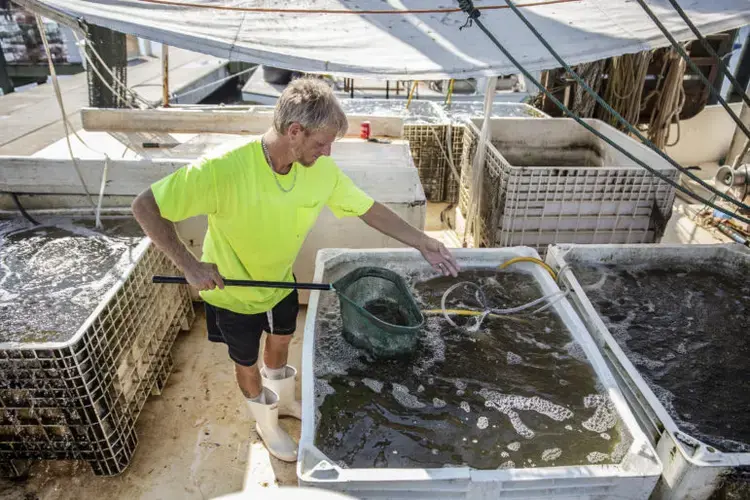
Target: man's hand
(439, 257)
(204, 276)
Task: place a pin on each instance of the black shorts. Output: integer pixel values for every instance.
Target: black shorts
(242, 332)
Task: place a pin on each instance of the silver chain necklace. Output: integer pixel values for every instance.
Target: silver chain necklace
(268, 160)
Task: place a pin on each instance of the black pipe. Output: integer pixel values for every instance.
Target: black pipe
(23, 210)
(179, 280)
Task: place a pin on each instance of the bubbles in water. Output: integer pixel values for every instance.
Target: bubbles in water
(605, 436)
(420, 388)
(604, 417)
(352, 383)
(438, 403)
(465, 406)
(506, 404)
(575, 350)
(682, 348)
(514, 359)
(460, 385)
(401, 393)
(596, 457)
(507, 465)
(551, 454)
(568, 427)
(504, 454)
(514, 446)
(322, 389)
(482, 423)
(434, 451)
(375, 385)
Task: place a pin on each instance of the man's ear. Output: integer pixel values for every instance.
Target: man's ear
(294, 130)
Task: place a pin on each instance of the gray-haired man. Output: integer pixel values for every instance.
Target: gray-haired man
(261, 201)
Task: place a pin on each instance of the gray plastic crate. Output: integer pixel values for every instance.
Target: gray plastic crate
(692, 469)
(550, 181)
(79, 399)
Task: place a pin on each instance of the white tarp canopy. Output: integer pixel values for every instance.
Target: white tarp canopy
(388, 39)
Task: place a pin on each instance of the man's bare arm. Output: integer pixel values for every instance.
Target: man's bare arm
(387, 222)
(162, 232)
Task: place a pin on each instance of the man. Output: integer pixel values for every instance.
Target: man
(261, 199)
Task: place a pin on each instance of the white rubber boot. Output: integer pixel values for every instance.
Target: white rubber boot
(278, 442)
(288, 405)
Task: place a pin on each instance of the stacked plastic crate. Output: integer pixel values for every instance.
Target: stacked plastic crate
(80, 399)
(457, 113)
(549, 181)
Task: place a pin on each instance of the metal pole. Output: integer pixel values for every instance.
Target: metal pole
(6, 85)
(165, 74)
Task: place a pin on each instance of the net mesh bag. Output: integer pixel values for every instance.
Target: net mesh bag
(378, 312)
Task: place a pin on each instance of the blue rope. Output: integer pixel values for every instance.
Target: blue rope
(619, 117)
(588, 127)
(695, 68)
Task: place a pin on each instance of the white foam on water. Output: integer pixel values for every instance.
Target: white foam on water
(568, 427)
(438, 403)
(434, 451)
(433, 345)
(482, 423)
(514, 446)
(375, 385)
(431, 380)
(465, 406)
(506, 404)
(420, 388)
(459, 392)
(510, 464)
(352, 383)
(401, 393)
(596, 456)
(513, 358)
(322, 389)
(575, 350)
(504, 454)
(460, 384)
(551, 454)
(605, 436)
(604, 417)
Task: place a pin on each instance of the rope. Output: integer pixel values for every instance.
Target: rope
(626, 73)
(609, 141)
(265, 10)
(606, 106)
(134, 95)
(737, 86)
(226, 78)
(58, 94)
(694, 68)
(411, 93)
(669, 97)
(592, 73)
(477, 168)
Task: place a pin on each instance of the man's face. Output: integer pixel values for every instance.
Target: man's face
(309, 146)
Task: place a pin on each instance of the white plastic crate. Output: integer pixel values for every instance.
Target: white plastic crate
(80, 397)
(458, 113)
(549, 174)
(692, 470)
(634, 477)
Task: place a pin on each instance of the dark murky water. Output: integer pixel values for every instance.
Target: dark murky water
(516, 393)
(53, 276)
(388, 310)
(686, 330)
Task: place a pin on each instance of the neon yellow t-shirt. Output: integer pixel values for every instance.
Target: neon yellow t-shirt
(255, 230)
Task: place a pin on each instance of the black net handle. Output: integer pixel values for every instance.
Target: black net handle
(179, 280)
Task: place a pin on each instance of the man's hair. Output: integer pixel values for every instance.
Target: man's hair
(310, 102)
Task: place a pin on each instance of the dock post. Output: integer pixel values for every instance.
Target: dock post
(165, 74)
(6, 85)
